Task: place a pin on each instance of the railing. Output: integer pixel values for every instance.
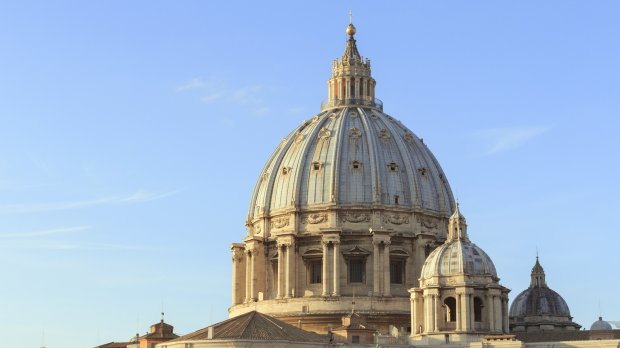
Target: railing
(332, 103)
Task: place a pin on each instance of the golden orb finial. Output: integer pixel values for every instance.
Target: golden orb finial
(351, 28)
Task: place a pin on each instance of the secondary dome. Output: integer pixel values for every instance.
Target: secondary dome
(458, 255)
(538, 299)
(539, 307)
(601, 324)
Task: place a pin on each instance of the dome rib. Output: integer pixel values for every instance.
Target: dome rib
(374, 161)
(412, 179)
(336, 163)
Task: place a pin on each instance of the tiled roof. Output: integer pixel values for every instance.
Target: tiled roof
(558, 336)
(254, 326)
(114, 345)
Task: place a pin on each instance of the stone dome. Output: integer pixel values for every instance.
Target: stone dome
(355, 158)
(344, 209)
(539, 299)
(601, 324)
(458, 255)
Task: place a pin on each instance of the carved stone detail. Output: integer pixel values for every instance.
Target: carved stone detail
(408, 137)
(258, 229)
(355, 133)
(280, 222)
(355, 217)
(314, 218)
(384, 134)
(299, 138)
(396, 219)
(324, 133)
(426, 222)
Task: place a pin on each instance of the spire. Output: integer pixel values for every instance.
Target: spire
(457, 226)
(351, 82)
(538, 275)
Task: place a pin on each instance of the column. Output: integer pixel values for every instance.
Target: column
(347, 88)
(472, 316)
(376, 276)
(459, 312)
(235, 264)
(427, 316)
(364, 89)
(463, 319)
(414, 317)
(336, 265)
(325, 271)
(386, 269)
(498, 313)
(435, 313)
(342, 88)
(252, 276)
(248, 294)
(505, 315)
(280, 281)
(491, 313)
(289, 268)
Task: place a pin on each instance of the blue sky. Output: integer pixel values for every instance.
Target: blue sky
(132, 134)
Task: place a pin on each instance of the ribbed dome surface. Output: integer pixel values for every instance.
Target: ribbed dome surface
(351, 157)
(601, 324)
(539, 300)
(455, 257)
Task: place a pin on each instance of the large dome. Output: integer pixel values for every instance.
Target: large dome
(352, 157)
(345, 210)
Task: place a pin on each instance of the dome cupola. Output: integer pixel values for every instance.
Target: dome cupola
(458, 255)
(601, 324)
(539, 308)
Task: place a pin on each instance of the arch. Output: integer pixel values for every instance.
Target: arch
(450, 305)
(478, 304)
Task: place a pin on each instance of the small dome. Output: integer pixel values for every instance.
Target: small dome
(601, 324)
(539, 300)
(459, 256)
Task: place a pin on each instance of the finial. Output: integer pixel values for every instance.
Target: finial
(351, 28)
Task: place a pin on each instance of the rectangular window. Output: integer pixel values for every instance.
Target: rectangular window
(316, 272)
(397, 272)
(356, 270)
(355, 339)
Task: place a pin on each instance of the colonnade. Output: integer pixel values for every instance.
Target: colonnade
(429, 313)
(342, 88)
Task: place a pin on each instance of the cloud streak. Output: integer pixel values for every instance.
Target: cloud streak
(137, 197)
(505, 139)
(195, 83)
(45, 233)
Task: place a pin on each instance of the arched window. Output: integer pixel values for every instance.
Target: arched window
(477, 309)
(450, 304)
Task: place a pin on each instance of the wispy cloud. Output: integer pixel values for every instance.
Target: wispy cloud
(503, 139)
(138, 196)
(45, 233)
(62, 245)
(195, 83)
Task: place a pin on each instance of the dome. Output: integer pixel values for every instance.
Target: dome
(538, 299)
(601, 324)
(458, 255)
(351, 157)
(343, 209)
